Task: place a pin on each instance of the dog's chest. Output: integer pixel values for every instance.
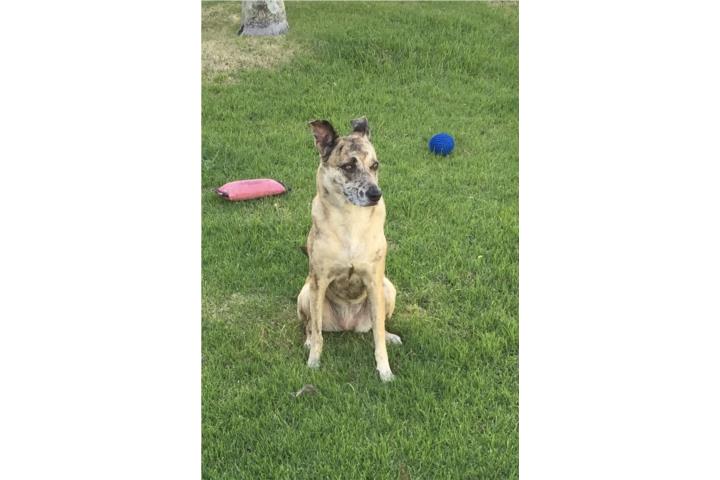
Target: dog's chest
(357, 257)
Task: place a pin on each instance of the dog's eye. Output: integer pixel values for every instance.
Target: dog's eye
(348, 167)
(374, 166)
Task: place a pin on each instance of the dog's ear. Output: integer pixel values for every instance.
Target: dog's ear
(360, 125)
(325, 137)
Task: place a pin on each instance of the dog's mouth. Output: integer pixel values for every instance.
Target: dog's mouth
(361, 203)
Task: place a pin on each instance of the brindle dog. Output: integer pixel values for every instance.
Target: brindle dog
(346, 288)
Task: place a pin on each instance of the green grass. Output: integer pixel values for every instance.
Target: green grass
(452, 230)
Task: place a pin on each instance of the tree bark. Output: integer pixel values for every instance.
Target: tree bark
(263, 17)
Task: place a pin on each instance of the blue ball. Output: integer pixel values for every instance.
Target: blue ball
(441, 144)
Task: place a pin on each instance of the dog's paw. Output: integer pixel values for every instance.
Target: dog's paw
(307, 343)
(313, 362)
(386, 375)
(392, 339)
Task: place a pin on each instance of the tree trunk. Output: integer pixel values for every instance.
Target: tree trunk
(263, 17)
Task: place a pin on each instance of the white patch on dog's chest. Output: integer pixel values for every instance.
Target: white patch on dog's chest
(353, 252)
(356, 257)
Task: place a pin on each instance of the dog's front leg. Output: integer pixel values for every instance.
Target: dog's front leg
(376, 295)
(318, 287)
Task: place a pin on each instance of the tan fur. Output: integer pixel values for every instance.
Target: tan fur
(346, 288)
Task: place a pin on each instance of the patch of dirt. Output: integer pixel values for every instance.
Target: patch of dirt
(307, 389)
(225, 52)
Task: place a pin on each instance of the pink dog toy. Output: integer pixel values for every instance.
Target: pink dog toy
(248, 189)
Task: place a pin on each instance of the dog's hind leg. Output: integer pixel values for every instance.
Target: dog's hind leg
(390, 293)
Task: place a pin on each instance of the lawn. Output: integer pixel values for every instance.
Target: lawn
(452, 230)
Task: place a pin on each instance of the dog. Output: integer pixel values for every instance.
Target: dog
(346, 288)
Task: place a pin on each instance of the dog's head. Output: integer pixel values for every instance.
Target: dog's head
(349, 165)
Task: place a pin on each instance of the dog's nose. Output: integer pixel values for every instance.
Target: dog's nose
(374, 193)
